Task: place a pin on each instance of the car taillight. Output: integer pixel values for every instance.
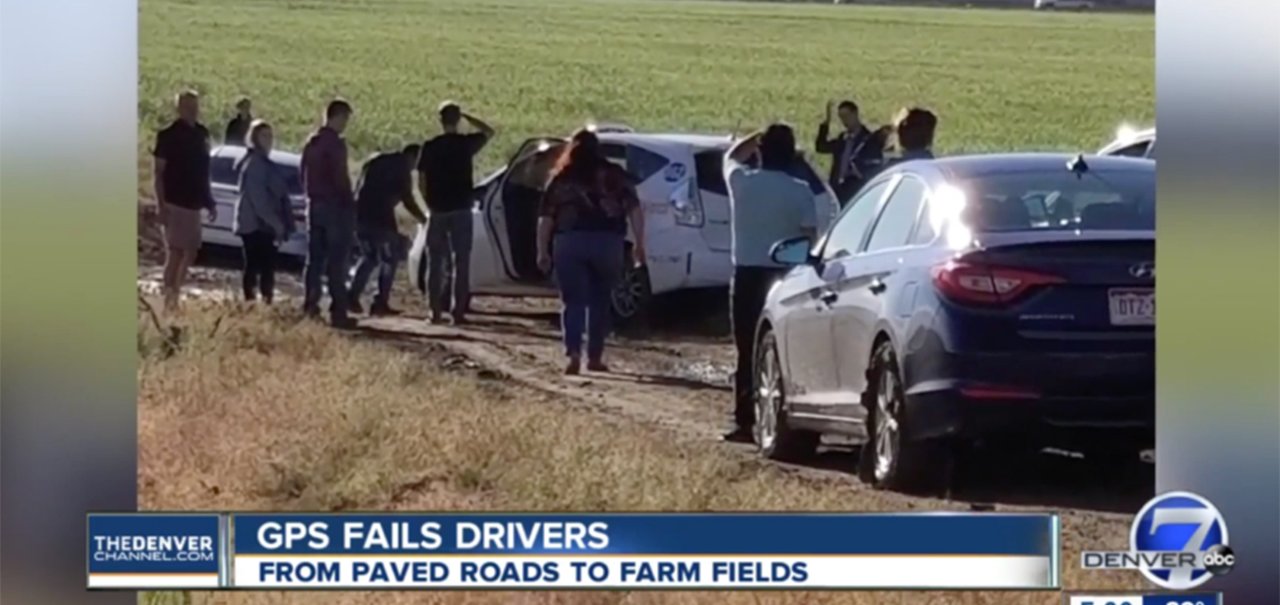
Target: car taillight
(983, 284)
(686, 204)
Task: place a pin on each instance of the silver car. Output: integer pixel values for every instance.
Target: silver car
(225, 182)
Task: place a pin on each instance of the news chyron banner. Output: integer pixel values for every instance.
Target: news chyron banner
(510, 551)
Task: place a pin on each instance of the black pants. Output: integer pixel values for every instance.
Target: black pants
(747, 292)
(259, 265)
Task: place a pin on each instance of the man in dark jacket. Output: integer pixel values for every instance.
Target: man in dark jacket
(386, 180)
(330, 214)
(856, 152)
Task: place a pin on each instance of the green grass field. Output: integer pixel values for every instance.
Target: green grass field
(1000, 80)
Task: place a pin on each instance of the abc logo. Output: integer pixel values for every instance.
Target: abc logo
(1219, 560)
(1182, 522)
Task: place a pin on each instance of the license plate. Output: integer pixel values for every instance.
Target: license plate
(1133, 306)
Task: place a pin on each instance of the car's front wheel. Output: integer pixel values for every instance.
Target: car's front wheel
(774, 436)
(888, 460)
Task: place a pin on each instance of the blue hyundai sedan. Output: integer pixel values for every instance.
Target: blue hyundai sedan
(963, 300)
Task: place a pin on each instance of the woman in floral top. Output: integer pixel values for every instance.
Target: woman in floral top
(583, 219)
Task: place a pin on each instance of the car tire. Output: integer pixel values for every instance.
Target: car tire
(774, 436)
(632, 296)
(888, 461)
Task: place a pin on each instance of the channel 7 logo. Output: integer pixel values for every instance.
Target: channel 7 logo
(1178, 541)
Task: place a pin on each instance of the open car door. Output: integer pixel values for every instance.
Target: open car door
(510, 211)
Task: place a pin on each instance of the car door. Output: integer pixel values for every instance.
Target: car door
(810, 348)
(870, 282)
(508, 225)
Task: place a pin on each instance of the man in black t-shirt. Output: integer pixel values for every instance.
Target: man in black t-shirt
(445, 172)
(181, 173)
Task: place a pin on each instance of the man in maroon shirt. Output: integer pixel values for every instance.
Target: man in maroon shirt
(331, 213)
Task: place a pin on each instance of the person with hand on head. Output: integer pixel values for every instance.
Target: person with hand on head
(181, 181)
(856, 152)
(915, 128)
(582, 221)
(386, 180)
(264, 213)
(446, 179)
(766, 205)
(330, 214)
(238, 127)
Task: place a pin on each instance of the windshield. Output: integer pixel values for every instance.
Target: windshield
(1061, 200)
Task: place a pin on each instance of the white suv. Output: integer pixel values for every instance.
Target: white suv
(1133, 143)
(683, 193)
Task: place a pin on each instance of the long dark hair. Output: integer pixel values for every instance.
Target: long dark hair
(581, 159)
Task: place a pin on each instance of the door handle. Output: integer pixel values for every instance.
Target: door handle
(829, 296)
(877, 286)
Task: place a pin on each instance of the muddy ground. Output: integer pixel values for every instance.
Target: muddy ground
(676, 379)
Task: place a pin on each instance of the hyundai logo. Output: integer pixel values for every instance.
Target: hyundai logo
(1143, 270)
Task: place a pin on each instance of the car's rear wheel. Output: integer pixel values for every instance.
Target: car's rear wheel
(888, 460)
(773, 434)
(631, 297)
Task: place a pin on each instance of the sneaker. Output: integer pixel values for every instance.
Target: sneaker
(383, 311)
(437, 318)
(574, 367)
(738, 435)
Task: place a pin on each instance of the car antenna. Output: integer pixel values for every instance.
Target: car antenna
(1078, 166)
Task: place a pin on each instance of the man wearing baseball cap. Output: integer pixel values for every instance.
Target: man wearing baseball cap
(445, 178)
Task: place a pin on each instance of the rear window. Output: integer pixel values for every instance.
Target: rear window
(1059, 200)
(642, 163)
(710, 167)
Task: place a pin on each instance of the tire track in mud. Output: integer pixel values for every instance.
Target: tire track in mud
(680, 384)
(683, 387)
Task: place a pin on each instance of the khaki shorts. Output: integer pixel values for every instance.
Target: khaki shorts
(182, 228)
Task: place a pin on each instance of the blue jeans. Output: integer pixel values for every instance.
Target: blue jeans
(588, 264)
(380, 249)
(330, 229)
(449, 243)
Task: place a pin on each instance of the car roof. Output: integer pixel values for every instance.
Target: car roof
(964, 167)
(700, 141)
(1125, 138)
(235, 152)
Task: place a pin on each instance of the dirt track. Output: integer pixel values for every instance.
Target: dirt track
(678, 383)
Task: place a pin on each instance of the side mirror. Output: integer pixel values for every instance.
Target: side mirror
(792, 251)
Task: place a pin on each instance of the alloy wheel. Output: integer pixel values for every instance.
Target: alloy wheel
(629, 292)
(887, 436)
(768, 400)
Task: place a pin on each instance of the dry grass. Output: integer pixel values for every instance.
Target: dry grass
(259, 409)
